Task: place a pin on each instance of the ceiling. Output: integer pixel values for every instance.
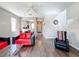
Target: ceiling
(35, 9)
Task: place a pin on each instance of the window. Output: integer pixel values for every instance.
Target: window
(13, 24)
(32, 25)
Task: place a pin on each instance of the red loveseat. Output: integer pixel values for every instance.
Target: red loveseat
(3, 44)
(25, 39)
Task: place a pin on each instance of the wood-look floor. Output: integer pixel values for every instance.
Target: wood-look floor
(45, 48)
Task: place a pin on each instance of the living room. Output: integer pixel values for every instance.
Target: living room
(39, 29)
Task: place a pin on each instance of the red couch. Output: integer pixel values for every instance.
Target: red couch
(3, 44)
(24, 39)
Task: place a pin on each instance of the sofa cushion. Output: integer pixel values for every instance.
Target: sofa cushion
(61, 43)
(60, 35)
(28, 35)
(23, 41)
(22, 36)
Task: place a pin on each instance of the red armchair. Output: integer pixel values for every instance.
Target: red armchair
(25, 39)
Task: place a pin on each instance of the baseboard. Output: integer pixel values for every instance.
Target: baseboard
(46, 37)
(49, 38)
(74, 47)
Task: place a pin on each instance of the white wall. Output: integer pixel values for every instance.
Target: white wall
(73, 34)
(73, 26)
(50, 30)
(62, 21)
(5, 22)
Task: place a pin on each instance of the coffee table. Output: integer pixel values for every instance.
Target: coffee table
(10, 50)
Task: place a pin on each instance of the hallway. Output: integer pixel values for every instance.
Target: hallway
(44, 48)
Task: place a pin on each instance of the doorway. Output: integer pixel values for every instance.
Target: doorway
(39, 26)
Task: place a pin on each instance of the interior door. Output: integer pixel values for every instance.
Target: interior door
(39, 26)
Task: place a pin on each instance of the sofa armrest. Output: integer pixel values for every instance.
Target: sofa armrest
(55, 40)
(14, 39)
(67, 44)
(67, 41)
(5, 39)
(33, 39)
(17, 37)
